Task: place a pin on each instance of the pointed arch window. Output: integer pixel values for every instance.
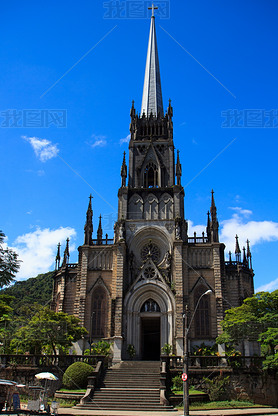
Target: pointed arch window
(202, 317)
(151, 176)
(99, 313)
(150, 306)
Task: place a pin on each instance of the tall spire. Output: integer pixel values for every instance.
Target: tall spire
(124, 171)
(152, 94)
(237, 251)
(58, 257)
(249, 255)
(88, 228)
(99, 232)
(66, 253)
(178, 168)
(208, 228)
(214, 221)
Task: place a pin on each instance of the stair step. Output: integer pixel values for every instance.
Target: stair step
(129, 385)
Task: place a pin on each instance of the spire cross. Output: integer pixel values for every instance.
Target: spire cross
(152, 9)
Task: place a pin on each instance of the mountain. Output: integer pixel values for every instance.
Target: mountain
(34, 290)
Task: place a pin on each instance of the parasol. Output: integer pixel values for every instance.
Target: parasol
(46, 376)
(7, 383)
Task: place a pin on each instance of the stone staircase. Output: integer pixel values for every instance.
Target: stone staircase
(129, 385)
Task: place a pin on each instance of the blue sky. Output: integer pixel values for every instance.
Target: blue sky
(83, 63)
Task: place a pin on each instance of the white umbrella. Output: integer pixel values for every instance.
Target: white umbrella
(7, 383)
(46, 376)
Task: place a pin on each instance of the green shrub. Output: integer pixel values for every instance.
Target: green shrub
(217, 387)
(177, 382)
(131, 351)
(271, 362)
(167, 349)
(76, 375)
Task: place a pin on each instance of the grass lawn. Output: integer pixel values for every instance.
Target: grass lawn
(233, 404)
(191, 391)
(63, 390)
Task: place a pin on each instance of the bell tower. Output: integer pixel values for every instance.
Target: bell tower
(151, 228)
(152, 192)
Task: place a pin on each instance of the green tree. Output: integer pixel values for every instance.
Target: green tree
(6, 320)
(48, 331)
(256, 320)
(9, 263)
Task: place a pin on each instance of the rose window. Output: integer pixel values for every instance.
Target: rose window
(151, 250)
(149, 273)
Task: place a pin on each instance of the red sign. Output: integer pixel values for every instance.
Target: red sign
(184, 376)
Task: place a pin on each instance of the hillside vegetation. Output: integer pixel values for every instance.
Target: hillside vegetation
(34, 290)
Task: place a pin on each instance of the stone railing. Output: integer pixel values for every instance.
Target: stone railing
(201, 361)
(93, 382)
(197, 239)
(46, 361)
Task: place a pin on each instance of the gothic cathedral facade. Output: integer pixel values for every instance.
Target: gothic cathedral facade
(134, 289)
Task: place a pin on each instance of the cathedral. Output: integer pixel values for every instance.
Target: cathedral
(134, 289)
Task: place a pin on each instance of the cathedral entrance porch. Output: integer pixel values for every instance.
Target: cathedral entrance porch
(150, 338)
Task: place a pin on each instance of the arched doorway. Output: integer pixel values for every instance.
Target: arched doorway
(149, 319)
(150, 315)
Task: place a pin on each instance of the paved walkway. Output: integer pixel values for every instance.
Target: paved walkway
(270, 411)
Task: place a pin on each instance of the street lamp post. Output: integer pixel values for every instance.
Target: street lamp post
(185, 353)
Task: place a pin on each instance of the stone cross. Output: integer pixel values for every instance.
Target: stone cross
(152, 9)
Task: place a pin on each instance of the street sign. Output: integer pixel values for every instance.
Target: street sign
(184, 376)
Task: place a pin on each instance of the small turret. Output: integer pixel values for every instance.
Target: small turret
(66, 253)
(99, 232)
(249, 255)
(244, 260)
(237, 251)
(178, 169)
(124, 171)
(208, 227)
(58, 257)
(170, 110)
(214, 222)
(88, 228)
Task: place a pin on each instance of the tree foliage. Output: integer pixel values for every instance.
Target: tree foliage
(28, 292)
(48, 331)
(255, 320)
(9, 263)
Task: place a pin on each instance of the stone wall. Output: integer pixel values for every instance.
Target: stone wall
(261, 388)
(257, 386)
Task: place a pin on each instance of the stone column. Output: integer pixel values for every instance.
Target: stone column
(118, 339)
(218, 287)
(83, 285)
(178, 279)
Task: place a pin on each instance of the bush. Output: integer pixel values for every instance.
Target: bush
(177, 382)
(167, 349)
(76, 375)
(217, 387)
(271, 363)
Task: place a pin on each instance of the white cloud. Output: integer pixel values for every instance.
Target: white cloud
(268, 287)
(99, 141)
(43, 148)
(195, 228)
(239, 210)
(255, 231)
(37, 250)
(125, 139)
